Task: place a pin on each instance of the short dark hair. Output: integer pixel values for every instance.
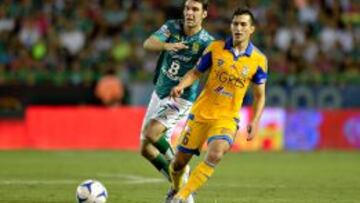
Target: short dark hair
(204, 3)
(245, 11)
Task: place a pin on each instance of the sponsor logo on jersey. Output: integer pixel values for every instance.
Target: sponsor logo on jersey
(221, 90)
(228, 78)
(181, 57)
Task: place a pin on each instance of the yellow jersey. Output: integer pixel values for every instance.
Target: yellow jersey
(228, 80)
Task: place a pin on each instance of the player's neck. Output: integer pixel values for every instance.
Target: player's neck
(189, 31)
(241, 46)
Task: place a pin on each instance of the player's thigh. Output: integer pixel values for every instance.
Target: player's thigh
(150, 112)
(224, 130)
(170, 112)
(192, 137)
(153, 130)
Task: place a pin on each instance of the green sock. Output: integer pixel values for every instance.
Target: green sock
(164, 147)
(162, 165)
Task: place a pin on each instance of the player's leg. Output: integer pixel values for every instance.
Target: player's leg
(177, 169)
(190, 144)
(158, 160)
(205, 169)
(147, 149)
(192, 138)
(160, 127)
(155, 133)
(218, 144)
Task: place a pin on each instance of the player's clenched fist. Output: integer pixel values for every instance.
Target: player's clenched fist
(176, 92)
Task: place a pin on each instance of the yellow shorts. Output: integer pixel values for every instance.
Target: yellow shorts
(196, 133)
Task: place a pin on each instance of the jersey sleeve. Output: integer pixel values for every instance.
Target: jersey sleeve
(205, 61)
(164, 32)
(260, 76)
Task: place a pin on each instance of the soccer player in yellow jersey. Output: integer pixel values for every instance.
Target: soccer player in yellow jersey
(232, 64)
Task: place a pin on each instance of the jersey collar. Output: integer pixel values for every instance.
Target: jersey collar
(229, 46)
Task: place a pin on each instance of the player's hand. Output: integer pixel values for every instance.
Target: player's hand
(176, 92)
(251, 129)
(175, 46)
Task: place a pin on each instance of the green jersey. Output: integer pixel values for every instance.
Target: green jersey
(172, 66)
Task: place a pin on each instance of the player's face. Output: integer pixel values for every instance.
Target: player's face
(241, 28)
(193, 13)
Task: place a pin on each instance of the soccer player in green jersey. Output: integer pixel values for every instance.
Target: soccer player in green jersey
(181, 43)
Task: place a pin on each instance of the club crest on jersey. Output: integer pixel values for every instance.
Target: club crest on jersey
(195, 47)
(245, 71)
(220, 62)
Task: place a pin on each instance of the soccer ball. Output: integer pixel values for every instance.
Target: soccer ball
(91, 191)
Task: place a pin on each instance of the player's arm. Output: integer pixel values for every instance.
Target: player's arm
(189, 78)
(155, 44)
(193, 75)
(259, 81)
(158, 41)
(258, 107)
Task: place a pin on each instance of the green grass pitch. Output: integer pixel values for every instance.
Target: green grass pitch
(261, 177)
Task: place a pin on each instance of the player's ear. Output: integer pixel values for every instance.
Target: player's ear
(204, 15)
(252, 29)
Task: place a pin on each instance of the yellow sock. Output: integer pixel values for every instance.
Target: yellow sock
(197, 178)
(176, 177)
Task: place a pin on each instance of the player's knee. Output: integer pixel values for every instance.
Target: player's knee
(152, 133)
(146, 150)
(214, 157)
(149, 133)
(143, 151)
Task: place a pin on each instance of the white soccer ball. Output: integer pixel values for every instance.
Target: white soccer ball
(91, 191)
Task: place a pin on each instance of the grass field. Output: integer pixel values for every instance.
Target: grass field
(317, 177)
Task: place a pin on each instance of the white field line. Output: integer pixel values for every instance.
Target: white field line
(128, 179)
(117, 179)
(132, 179)
(37, 182)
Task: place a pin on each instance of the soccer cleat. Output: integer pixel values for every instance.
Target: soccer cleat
(170, 195)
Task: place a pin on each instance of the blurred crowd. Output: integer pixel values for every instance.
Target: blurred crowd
(68, 42)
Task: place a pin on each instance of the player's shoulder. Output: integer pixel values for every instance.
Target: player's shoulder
(174, 24)
(258, 54)
(217, 45)
(259, 57)
(205, 36)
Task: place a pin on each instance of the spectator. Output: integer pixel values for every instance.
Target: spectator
(109, 89)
